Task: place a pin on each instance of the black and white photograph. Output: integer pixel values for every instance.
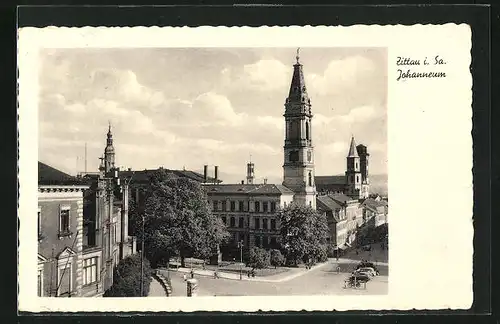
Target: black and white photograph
(212, 172)
(191, 171)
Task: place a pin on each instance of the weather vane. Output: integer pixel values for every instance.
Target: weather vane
(297, 57)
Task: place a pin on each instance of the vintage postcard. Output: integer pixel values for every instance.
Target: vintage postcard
(245, 169)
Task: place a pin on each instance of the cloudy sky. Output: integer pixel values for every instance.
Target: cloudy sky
(180, 107)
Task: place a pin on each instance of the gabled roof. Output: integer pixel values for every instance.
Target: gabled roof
(41, 258)
(48, 175)
(326, 203)
(66, 253)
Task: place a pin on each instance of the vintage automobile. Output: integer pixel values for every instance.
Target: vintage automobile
(366, 264)
(368, 270)
(367, 247)
(359, 276)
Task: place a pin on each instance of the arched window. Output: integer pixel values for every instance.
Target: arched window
(307, 131)
(310, 178)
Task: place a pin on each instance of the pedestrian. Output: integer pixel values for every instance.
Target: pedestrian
(184, 276)
(248, 273)
(338, 269)
(192, 273)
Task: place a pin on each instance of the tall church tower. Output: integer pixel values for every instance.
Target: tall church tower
(298, 167)
(109, 153)
(363, 162)
(353, 171)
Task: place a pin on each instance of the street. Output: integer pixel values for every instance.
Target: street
(322, 280)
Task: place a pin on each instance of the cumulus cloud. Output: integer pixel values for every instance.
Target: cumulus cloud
(359, 114)
(340, 75)
(265, 75)
(217, 115)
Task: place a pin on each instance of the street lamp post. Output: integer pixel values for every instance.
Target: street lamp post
(240, 246)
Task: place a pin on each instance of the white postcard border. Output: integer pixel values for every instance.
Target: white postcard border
(429, 163)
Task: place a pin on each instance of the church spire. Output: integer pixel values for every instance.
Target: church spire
(109, 151)
(298, 166)
(353, 152)
(298, 91)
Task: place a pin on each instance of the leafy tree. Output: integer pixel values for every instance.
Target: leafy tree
(258, 258)
(127, 278)
(277, 259)
(304, 234)
(178, 220)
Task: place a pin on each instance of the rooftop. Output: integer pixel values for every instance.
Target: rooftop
(49, 176)
(341, 198)
(370, 202)
(326, 203)
(144, 175)
(330, 180)
(252, 189)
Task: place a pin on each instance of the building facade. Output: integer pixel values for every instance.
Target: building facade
(249, 212)
(60, 234)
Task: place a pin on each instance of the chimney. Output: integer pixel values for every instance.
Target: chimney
(205, 171)
(242, 181)
(130, 169)
(265, 180)
(216, 173)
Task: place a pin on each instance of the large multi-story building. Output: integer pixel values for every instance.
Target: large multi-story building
(249, 212)
(60, 233)
(83, 228)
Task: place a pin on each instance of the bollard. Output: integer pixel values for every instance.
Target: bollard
(192, 287)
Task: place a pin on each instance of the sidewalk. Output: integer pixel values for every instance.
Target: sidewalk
(292, 273)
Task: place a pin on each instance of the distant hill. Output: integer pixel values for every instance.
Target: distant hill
(378, 183)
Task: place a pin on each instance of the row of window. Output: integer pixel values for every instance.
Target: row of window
(267, 207)
(65, 276)
(241, 223)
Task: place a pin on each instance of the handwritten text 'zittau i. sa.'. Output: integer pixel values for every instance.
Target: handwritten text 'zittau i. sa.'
(416, 74)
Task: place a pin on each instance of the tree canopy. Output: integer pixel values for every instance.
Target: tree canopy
(277, 259)
(304, 234)
(178, 220)
(127, 278)
(258, 258)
